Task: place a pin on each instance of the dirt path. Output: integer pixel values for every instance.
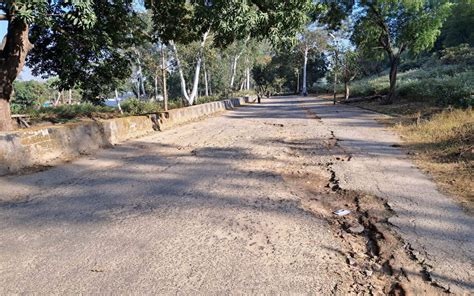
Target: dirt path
(239, 203)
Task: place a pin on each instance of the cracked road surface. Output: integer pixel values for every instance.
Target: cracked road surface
(206, 208)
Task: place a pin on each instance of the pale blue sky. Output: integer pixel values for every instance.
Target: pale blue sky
(26, 74)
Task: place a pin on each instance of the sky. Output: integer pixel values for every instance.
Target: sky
(26, 74)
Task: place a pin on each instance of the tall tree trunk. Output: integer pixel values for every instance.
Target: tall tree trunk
(56, 102)
(164, 87)
(6, 122)
(141, 84)
(305, 66)
(117, 100)
(336, 58)
(190, 97)
(206, 83)
(234, 70)
(209, 82)
(156, 86)
(13, 52)
(247, 87)
(394, 61)
(298, 81)
(346, 90)
(69, 100)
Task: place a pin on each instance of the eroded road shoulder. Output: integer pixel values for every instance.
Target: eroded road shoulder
(436, 232)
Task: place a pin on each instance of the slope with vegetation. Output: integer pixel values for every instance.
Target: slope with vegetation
(433, 113)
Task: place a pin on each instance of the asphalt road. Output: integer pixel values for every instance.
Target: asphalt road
(204, 209)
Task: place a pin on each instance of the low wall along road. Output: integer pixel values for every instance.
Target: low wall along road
(43, 146)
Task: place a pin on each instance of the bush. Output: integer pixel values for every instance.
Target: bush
(73, 111)
(444, 84)
(414, 63)
(138, 107)
(243, 93)
(208, 99)
(462, 54)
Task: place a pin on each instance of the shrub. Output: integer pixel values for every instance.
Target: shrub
(138, 107)
(243, 93)
(208, 99)
(444, 84)
(72, 111)
(462, 54)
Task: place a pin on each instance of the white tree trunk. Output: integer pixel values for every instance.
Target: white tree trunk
(140, 84)
(209, 82)
(118, 101)
(248, 79)
(56, 102)
(69, 97)
(156, 86)
(305, 66)
(164, 89)
(234, 69)
(298, 82)
(206, 83)
(190, 97)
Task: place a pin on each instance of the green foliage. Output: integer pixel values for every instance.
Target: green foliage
(458, 26)
(93, 57)
(243, 93)
(264, 78)
(229, 20)
(78, 13)
(349, 65)
(30, 93)
(446, 85)
(208, 99)
(139, 107)
(67, 113)
(395, 26)
(462, 54)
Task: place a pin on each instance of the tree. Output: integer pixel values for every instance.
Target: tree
(97, 58)
(80, 41)
(30, 93)
(312, 40)
(20, 15)
(349, 67)
(396, 26)
(458, 26)
(188, 21)
(264, 76)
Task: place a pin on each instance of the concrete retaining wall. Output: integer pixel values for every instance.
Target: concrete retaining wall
(42, 146)
(49, 145)
(184, 115)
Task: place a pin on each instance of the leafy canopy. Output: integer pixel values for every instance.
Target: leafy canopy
(185, 21)
(78, 12)
(394, 26)
(83, 43)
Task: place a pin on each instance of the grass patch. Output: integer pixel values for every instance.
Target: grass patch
(441, 142)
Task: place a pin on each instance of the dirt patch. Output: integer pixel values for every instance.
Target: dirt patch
(379, 260)
(311, 114)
